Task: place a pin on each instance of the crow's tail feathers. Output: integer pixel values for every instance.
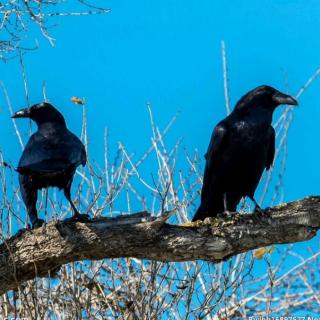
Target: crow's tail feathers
(214, 206)
(199, 215)
(202, 213)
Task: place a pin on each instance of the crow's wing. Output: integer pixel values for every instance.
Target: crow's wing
(211, 200)
(51, 154)
(77, 150)
(216, 144)
(271, 147)
(215, 150)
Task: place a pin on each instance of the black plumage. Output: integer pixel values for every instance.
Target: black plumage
(49, 159)
(241, 147)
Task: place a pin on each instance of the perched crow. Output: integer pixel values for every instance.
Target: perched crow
(49, 159)
(241, 147)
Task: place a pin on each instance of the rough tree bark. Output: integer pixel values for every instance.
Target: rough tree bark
(36, 252)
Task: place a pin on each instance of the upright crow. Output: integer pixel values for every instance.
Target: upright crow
(241, 147)
(49, 159)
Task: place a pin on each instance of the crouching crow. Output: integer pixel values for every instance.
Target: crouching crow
(49, 159)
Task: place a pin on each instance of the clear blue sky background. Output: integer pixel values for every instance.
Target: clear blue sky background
(168, 52)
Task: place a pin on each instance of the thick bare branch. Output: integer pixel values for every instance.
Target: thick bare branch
(35, 253)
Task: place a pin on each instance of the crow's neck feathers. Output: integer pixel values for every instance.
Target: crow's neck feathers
(49, 119)
(51, 127)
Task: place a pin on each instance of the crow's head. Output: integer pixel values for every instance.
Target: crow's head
(41, 113)
(264, 97)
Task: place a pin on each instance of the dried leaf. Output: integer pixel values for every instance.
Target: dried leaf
(259, 253)
(77, 100)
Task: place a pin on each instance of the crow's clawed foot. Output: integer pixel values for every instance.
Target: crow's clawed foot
(259, 212)
(37, 223)
(78, 217)
(257, 209)
(225, 214)
(20, 232)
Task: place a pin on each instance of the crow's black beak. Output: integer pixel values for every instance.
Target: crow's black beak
(282, 98)
(24, 113)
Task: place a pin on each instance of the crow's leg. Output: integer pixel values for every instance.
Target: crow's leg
(225, 205)
(230, 202)
(46, 203)
(257, 208)
(29, 196)
(77, 215)
(67, 194)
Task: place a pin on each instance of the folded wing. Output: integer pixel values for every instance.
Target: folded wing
(53, 154)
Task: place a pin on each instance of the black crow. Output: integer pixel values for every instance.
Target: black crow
(49, 159)
(241, 147)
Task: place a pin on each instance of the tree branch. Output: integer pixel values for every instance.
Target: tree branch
(37, 252)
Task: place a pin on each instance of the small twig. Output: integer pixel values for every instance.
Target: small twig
(225, 76)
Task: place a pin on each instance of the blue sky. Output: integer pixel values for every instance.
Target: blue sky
(169, 53)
